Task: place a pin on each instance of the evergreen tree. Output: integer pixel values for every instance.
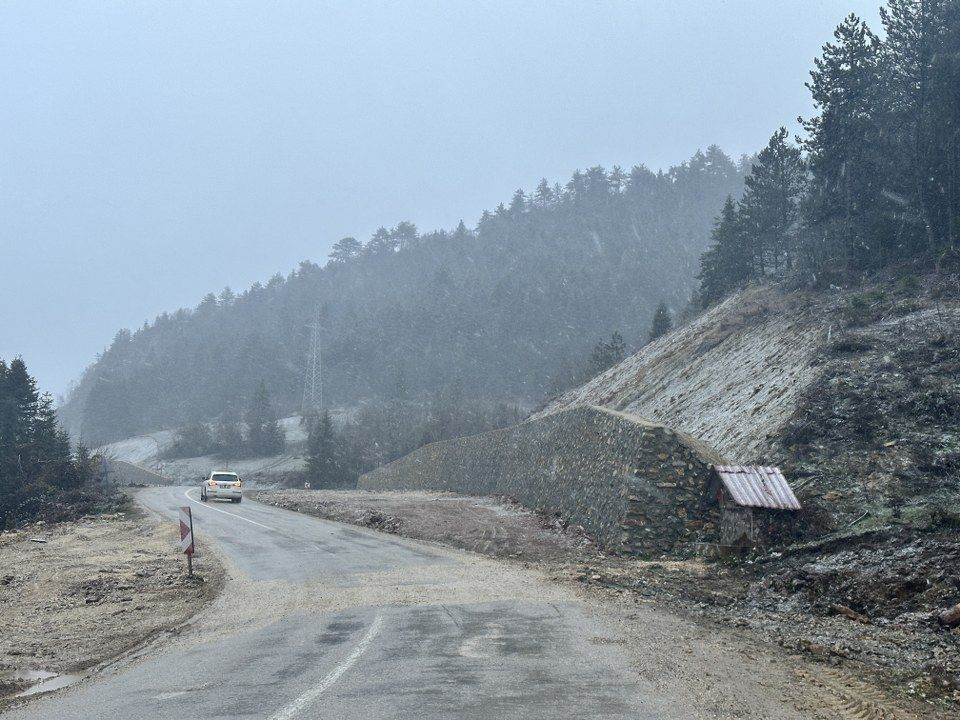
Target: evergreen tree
(942, 150)
(914, 35)
(192, 440)
(226, 297)
(9, 420)
(770, 207)
(844, 150)
(662, 322)
(228, 435)
(22, 392)
(518, 204)
(727, 265)
(264, 435)
(543, 196)
(404, 235)
(382, 242)
(606, 354)
(325, 456)
(36, 466)
(346, 250)
(51, 444)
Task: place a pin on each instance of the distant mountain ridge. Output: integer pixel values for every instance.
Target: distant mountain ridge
(506, 312)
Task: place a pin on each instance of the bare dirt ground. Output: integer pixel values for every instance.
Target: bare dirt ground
(872, 669)
(74, 595)
(495, 527)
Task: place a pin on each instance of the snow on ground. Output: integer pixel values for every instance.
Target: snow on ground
(139, 450)
(732, 377)
(189, 471)
(143, 450)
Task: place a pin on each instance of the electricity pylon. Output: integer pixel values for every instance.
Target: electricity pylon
(313, 375)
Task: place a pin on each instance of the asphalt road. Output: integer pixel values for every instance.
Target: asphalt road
(321, 620)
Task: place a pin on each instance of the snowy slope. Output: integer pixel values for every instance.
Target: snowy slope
(143, 450)
(730, 378)
(139, 450)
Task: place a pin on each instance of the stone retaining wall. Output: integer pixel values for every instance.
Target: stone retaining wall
(636, 486)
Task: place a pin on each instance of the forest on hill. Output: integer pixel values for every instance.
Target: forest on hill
(874, 183)
(469, 319)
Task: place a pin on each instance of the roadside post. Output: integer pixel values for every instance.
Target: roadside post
(186, 537)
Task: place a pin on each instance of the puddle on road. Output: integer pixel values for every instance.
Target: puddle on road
(40, 681)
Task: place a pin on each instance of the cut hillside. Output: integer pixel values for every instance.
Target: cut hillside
(855, 393)
(732, 377)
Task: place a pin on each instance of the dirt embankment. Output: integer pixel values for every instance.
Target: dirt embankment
(495, 527)
(793, 601)
(731, 377)
(76, 594)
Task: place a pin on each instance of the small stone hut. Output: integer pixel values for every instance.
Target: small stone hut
(751, 500)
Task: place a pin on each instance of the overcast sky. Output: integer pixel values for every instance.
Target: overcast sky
(151, 152)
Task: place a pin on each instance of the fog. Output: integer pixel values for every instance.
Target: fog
(150, 153)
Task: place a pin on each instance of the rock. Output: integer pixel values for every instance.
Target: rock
(850, 613)
(950, 617)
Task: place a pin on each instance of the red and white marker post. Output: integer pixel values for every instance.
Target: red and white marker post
(186, 536)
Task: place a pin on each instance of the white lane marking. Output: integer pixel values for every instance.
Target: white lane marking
(239, 517)
(313, 693)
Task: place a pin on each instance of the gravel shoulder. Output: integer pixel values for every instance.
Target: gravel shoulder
(75, 595)
(692, 628)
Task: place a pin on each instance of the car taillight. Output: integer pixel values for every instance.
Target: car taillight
(212, 483)
(237, 484)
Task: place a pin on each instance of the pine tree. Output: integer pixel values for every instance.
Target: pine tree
(943, 149)
(264, 435)
(844, 150)
(8, 430)
(345, 250)
(606, 354)
(543, 196)
(228, 435)
(382, 242)
(325, 458)
(22, 393)
(727, 264)
(662, 322)
(404, 235)
(770, 208)
(518, 204)
(915, 31)
(51, 445)
(35, 460)
(226, 297)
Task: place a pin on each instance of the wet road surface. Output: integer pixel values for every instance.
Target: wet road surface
(322, 620)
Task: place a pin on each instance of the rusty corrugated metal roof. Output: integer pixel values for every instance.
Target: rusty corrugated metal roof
(757, 486)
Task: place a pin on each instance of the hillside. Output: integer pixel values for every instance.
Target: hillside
(731, 377)
(507, 312)
(856, 393)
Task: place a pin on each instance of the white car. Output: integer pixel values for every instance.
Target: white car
(222, 484)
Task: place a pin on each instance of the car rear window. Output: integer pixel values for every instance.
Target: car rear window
(225, 478)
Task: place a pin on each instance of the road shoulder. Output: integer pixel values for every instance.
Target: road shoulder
(672, 640)
(75, 595)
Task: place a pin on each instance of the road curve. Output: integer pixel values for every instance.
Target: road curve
(322, 620)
